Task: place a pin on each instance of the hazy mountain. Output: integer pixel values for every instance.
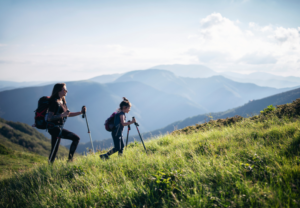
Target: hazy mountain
(106, 78)
(193, 71)
(264, 79)
(200, 71)
(153, 108)
(258, 78)
(215, 93)
(249, 109)
(8, 85)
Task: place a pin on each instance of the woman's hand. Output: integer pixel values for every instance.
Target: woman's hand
(83, 110)
(65, 114)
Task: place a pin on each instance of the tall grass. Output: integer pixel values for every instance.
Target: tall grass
(248, 164)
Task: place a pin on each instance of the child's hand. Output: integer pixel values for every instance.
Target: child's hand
(133, 120)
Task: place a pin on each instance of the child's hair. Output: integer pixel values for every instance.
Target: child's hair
(124, 103)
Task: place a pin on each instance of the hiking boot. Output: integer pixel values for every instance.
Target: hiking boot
(70, 160)
(104, 157)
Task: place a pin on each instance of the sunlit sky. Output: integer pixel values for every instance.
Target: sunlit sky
(74, 40)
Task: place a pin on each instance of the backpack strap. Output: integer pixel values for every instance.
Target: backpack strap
(50, 123)
(59, 107)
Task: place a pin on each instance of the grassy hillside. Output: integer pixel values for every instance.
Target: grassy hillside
(249, 109)
(22, 137)
(23, 147)
(242, 162)
(12, 161)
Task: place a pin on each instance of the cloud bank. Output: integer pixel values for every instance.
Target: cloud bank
(219, 43)
(228, 44)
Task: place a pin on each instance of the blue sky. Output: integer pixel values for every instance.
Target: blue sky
(81, 39)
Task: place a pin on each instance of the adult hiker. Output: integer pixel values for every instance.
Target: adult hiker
(117, 133)
(57, 114)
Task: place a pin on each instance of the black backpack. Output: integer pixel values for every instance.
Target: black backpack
(41, 111)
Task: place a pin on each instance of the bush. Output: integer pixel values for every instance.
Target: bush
(267, 110)
(4, 150)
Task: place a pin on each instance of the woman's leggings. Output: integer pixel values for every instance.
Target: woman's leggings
(66, 135)
(119, 145)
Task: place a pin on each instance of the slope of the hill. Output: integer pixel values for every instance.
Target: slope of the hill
(250, 163)
(12, 161)
(252, 108)
(22, 137)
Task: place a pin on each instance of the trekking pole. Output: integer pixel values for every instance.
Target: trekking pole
(127, 134)
(136, 124)
(87, 124)
(57, 139)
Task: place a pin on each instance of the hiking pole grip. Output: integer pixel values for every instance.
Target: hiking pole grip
(83, 115)
(136, 123)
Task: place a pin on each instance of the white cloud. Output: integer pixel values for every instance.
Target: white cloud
(224, 44)
(287, 34)
(257, 58)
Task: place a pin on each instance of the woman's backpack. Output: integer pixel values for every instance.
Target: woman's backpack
(41, 113)
(110, 123)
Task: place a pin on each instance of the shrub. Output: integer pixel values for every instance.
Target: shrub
(267, 110)
(4, 150)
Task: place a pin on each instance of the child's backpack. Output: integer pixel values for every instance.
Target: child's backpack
(41, 113)
(109, 123)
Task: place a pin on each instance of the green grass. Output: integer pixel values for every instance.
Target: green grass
(12, 161)
(247, 164)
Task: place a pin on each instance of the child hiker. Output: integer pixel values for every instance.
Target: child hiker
(117, 133)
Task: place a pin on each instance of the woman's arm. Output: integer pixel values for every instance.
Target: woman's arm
(72, 114)
(83, 110)
(124, 123)
(52, 117)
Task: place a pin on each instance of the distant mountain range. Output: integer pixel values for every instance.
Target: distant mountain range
(200, 71)
(8, 85)
(206, 92)
(264, 79)
(190, 71)
(106, 78)
(249, 109)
